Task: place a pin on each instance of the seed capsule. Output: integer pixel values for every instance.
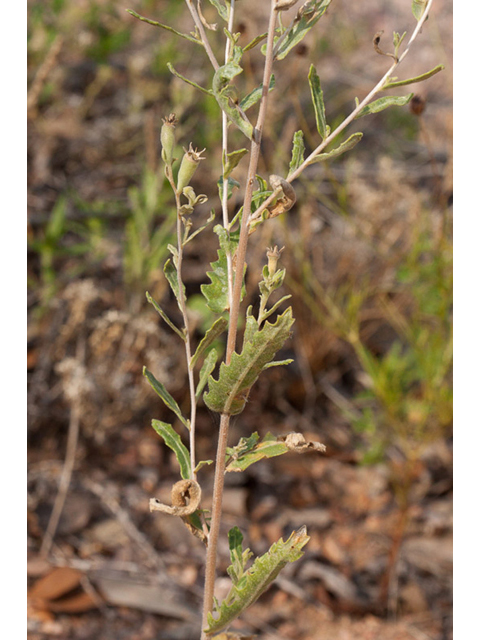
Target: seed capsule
(190, 161)
(167, 138)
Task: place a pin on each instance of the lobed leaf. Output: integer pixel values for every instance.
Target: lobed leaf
(162, 392)
(383, 103)
(173, 440)
(318, 103)
(229, 393)
(256, 580)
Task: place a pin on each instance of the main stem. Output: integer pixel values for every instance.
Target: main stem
(211, 559)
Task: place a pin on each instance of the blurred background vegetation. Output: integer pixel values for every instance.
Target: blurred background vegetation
(368, 244)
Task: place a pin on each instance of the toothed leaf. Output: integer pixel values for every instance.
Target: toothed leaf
(229, 393)
(256, 580)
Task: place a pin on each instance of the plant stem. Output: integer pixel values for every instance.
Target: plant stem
(377, 88)
(211, 559)
(203, 35)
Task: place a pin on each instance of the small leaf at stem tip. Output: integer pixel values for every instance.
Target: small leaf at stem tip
(162, 392)
(383, 103)
(173, 440)
(318, 103)
(392, 83)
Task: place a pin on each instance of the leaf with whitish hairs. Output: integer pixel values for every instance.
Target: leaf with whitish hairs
(173, 440)
(255, 580)
(308, 16)
(162, 392)
(229, 393)
(383, 103)
(318, 103)
(344, 146)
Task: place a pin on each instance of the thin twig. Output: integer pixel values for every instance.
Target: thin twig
(203, 35)
(377, 88)
(43, 72)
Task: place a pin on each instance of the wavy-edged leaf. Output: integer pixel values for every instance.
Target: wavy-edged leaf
(161, 391)
(173, 440)
(217, 328)
(318, 103)
(383, 103)
(312, 12)
(229, 393)
(254, 96)
(231, 185)
(238, 557)
(231, 161)
(216, 293)
(298, 151)
(207, 368)
(392, 83)
(256, 580)
(348, 144)
(164, 316)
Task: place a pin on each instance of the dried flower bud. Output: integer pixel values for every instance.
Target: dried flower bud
(283, 5)
(273, 256)
(167, 138)
(188, 166)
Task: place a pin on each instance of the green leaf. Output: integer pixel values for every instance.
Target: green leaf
(253, 43)
(229, 393)
(232, 160)
(221, 8)
(254, 96)
(207, 368)
(163, 26)
(160, 389)
(318, 103)
(312, 12)
(231, 185)
(190, 82)
(173, 440)
(171, 275)
(216, 293)
(418, 8)
(164, 316)
(298, 152)
(225, 93)
(353, 140)
(217, 328)
(256, 580)
(238, 557)
(248, 452)
(392, 84)
(383, 103)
